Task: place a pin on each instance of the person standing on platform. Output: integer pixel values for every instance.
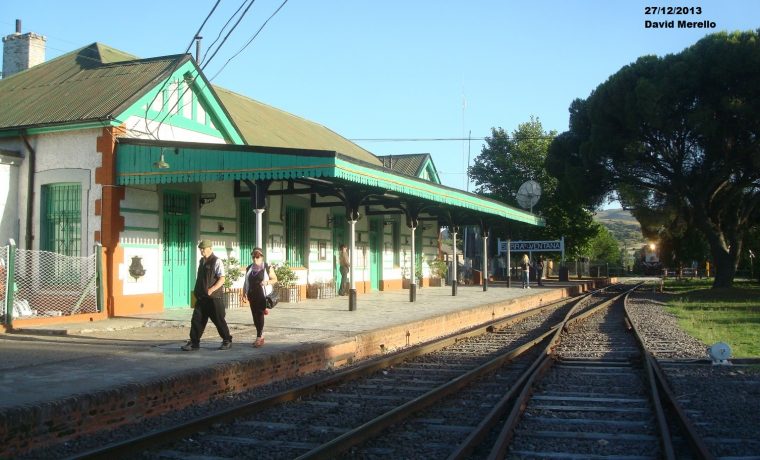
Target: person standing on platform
(209, 302)
(525, 265)
(259, 281)
(540, 270)
(345, 265)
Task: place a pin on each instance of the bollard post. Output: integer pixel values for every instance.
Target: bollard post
(10, 275)
(99, 276)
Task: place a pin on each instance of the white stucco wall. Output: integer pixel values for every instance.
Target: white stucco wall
(9, 224)
(60, 157)
(140, 209)
(10, 168)
(137, 128)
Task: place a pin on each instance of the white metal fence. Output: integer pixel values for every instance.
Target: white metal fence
(39, 284)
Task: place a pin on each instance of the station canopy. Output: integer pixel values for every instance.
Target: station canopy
(196, 163)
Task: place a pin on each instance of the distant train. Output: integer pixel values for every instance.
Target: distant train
(650, 260)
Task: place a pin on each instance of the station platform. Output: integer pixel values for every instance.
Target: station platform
(57, 381)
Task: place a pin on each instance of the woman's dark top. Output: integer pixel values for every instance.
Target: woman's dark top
(255, 292)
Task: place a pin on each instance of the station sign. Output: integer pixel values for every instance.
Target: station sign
(532, 246)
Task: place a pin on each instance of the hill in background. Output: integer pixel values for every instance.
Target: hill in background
(623, 226)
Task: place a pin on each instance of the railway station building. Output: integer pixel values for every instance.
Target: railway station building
(136, 160)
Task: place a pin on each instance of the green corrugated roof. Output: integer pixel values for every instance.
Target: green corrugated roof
(97, 83)
(94, 83)
(265, 125)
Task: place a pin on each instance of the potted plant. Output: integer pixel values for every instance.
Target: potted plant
(286, 282)
(438, 268)
(232, 273)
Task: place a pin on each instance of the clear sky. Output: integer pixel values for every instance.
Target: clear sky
(396, 69)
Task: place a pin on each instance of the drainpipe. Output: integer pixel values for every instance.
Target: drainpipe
(30, 192)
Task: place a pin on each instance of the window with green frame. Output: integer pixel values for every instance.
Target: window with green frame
(61, 231)
(61, 216)
(295, 236)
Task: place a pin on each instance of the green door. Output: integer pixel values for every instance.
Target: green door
(418, 256)
(178, 250)
(375, 252)
(339, 236)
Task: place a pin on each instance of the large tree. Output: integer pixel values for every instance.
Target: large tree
(506, 161)
(676, 135)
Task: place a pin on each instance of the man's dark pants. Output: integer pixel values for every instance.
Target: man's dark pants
(344, 284)
(208, 308)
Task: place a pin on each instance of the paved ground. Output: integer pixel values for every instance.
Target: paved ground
(47, 363)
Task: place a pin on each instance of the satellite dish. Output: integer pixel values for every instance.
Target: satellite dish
(528, 194)
(719, 353)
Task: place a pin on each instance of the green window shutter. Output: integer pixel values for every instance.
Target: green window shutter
(295, 236)
(61, 225)
(247, 232)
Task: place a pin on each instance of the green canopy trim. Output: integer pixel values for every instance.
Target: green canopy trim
(141, 162)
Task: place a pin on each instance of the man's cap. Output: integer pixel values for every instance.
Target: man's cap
(205, 244)
(255, 250)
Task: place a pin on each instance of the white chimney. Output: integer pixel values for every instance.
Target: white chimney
(22, 51)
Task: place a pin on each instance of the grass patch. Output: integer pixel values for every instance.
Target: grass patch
(718, 315)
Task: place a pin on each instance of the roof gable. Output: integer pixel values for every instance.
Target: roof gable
(92, 84)
(186, 100)
(418, 165)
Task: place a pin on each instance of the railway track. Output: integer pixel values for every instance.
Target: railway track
(324, 410)
(592, 400)
(468, 396)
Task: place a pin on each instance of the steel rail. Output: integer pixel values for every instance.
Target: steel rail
(373, 427)
(370, 429)
(658, 379)
(149, 440)
(693, 437)
(542, 365)
(502, 406)
(666, 441)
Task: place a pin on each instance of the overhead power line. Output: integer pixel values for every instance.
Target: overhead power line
(250, 40)
(221, 31)
(160, 90)
(206, 62)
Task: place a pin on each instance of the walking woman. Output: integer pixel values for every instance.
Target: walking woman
(525, 265)
(259, 280)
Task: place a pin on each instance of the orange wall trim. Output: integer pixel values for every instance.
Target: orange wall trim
(125, 305)
(363, 287)
(390, 285)
(78, 318)
(111, 222)
(139, 304)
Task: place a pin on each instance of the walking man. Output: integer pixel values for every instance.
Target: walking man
(345, 265)
(540, 270)
(209, 302)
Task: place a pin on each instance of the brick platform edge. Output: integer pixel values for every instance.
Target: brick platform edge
(32, 427)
